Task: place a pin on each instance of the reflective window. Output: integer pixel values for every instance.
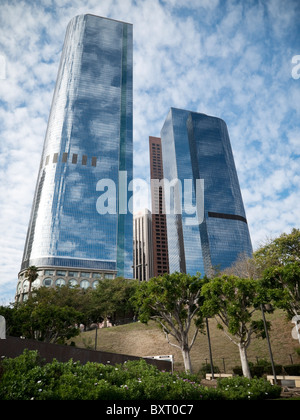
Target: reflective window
(95, 284)
(36, 283)
(84, 274)
(47, 282)
(73, 273)
(84, 284)
(73, 282)
(61, 273)
(49, 272)
(25, 286)
(60, 282)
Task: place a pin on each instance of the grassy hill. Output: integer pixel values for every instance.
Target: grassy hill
(138, 339)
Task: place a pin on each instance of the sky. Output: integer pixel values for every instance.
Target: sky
(238, 60)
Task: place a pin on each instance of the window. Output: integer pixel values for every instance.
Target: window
(73, 274)
(49, 272)
(55, 157)
(60, 273)
(47, 282)
(94, 161)
(65, 157)
(84, 160)
(73, 282)
(74, 158)
(60, 282)
(84, 274)
(95, 284)
(85, 284)
(36, 283)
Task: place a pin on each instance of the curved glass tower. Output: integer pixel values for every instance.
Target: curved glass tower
(207, 227)
(88, 139)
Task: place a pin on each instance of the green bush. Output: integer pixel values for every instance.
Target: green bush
(292, 370)
(27, 377)
(241, 388)
(262, 367)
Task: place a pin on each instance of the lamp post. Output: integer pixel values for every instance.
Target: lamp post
(263, 309)
(210, 353)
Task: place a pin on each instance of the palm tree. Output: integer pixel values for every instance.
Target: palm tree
(31, 274)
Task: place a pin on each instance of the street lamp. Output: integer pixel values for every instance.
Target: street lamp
(268, 308)
(209, 348)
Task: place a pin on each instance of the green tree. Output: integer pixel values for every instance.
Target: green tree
(44, 318)
(233, 301)
(283, 283)
(174, 301)
(31, 274)
(279, 251)
(111, 298)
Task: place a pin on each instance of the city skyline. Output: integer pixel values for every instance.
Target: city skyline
(207, 56)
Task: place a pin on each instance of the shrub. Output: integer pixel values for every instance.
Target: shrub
(240, 388)
(27, 377)
(206, 368)
(293, 370)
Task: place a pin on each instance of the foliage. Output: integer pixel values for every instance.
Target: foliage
(44, 318)
(111, 298)
(283, 285)
(28, 378)
(233, 301)
(259, 369)
(174, 301)
(279, 251)
(240, 388)
(292, 370)
(31, 274)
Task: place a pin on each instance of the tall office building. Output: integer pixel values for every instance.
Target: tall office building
(142, 245)
(206, 222)
(159, 224)
(72, 236)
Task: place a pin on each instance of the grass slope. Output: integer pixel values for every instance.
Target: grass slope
(142, 340)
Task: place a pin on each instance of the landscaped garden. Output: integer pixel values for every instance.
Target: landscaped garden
(27, 377)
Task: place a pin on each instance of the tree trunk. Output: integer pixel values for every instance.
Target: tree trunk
(187, 360)
(244, 360)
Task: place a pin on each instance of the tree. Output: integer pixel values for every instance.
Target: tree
(31, 274)
(233, 301)
(174, 301)
(44, 318)
(283, 283)
(111, 298)
(279, 251)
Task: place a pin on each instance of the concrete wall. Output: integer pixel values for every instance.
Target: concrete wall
(13, 347)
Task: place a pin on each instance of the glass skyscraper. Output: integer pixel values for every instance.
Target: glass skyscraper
(207, 227)
(88, 139)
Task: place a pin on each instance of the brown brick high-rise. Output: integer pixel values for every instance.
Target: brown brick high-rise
(159, 225)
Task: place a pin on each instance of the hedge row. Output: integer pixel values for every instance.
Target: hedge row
(262, 368)
(27, 378)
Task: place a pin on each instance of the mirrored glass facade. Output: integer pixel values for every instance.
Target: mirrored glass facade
(88, 138)
(197, 147)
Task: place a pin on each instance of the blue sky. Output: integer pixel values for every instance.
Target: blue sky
(227, 58)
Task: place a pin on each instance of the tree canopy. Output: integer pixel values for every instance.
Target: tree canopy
(174, 301)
